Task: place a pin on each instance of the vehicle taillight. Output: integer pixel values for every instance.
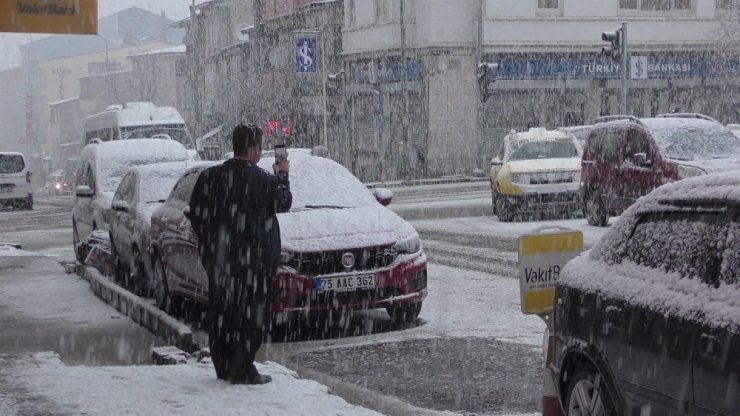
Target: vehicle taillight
(28, 177)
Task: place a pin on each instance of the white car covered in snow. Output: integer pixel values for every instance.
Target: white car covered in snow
(101, 167)
(141, 191)
(536, 170)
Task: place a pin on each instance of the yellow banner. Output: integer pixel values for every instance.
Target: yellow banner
(551, 243)
(49, 16)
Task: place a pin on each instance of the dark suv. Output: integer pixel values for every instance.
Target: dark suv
(626, 157)
(648, 321)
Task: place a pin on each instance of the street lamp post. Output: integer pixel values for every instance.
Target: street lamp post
(339, 78)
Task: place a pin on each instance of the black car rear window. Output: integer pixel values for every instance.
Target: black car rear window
(11, 163)
(690, 244)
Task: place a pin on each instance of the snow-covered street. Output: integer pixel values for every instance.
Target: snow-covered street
(469, 317)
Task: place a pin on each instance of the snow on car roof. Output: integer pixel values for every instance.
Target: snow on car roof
(157, 180)
(116, 157)
(320, 181)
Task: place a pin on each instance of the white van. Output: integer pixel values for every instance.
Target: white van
(15, 181)
(139, 120)
(101, 166)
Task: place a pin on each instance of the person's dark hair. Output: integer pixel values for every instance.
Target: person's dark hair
(245, 137)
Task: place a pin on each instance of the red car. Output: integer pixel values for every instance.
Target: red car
(341, 249)
(626, 158)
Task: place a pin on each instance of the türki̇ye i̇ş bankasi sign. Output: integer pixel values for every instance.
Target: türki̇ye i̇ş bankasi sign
(49, 16)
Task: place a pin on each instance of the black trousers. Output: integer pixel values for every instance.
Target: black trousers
(238, 315)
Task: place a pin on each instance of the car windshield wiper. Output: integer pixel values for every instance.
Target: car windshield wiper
(322, 206)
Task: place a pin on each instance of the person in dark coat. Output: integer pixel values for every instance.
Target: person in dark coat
(232, 211)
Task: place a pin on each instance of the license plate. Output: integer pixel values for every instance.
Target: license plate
(347, 283)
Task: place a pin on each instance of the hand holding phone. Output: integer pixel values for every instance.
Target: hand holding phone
(281, 152)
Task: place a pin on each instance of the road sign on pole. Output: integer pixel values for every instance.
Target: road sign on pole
(542, 257)
(305, 55)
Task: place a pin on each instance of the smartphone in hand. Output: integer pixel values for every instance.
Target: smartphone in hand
(281, 152)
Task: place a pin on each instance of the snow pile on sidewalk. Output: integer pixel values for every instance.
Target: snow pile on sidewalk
(10, 251)
(42, 384)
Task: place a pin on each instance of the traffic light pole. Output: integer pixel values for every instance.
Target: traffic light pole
(623, 70)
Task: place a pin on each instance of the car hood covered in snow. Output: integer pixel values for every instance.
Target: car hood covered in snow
(713, 165)
(545, 165)
(325, 229)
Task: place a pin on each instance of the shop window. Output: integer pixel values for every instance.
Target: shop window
(548, 4)
(726, 4)
(656, 5)
(548, 8)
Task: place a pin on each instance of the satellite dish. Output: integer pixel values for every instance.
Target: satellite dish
(242, 31)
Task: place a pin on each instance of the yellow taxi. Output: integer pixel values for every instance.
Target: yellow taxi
(536, 171)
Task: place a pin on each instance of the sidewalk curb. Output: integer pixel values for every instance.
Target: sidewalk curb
(421, 182)
(140, 311)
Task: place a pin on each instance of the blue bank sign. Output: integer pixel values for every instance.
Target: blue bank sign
(386, 72)
(305, 55)
(640, 67)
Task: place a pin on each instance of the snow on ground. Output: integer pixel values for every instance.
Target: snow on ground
(189, 389)
(10, 251)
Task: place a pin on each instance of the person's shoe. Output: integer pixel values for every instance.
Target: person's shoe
(259, 379)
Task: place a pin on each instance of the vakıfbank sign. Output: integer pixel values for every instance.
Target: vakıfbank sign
(49, 16)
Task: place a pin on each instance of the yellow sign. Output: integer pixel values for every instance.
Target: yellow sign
(541, 259)
(49, 16)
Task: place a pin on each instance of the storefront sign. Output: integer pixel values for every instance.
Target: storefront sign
(386, 72)
(641, 67)
(542, 257)
(49, 16)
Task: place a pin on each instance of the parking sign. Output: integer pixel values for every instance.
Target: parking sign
(305, 55)
(541, 259)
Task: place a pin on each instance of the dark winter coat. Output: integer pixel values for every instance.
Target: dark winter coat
(232, 211)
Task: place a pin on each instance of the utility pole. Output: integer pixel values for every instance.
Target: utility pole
(323, 82)
(478, 60)
(623, 70)
(405, 97)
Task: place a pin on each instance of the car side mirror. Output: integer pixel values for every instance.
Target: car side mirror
(640, 159)
(383, 195)
(84, 191)
(120, 206)
(199, 144)
(496, 161)
(186, 212)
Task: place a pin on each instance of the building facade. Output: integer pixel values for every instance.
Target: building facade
(549, 73)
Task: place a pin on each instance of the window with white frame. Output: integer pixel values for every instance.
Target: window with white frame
(382, 11)
(656, 5)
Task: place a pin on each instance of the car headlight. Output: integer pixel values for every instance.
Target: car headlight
(58, 186)
(685, 171)
(522, 178)
(286, 258)
(410, 244)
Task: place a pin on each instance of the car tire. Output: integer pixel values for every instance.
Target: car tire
(76, 241)
(594, 210)
(503, 209)
(404, 313)
(137, 278)
(159, 289)
(493, 200)
(587, 395)
(29, 203)
(119, 272)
